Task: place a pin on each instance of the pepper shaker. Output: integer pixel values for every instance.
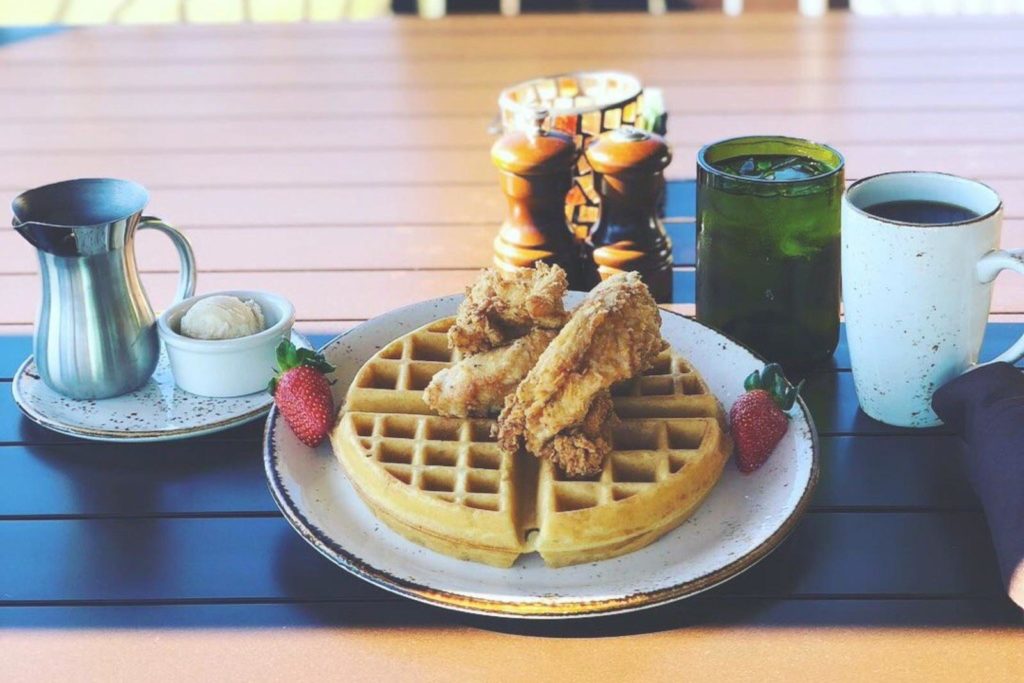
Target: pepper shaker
(630, 165)
(536, 172)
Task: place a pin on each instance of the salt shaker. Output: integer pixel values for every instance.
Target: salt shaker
(630, 165)
(536, 171)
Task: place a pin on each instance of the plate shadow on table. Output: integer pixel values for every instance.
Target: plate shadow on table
(302, 578)
(71, 478)
(752, 599)
(818, 577)
(699, 613)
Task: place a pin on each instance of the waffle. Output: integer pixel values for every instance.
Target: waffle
(445, 484)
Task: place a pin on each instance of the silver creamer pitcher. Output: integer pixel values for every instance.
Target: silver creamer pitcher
(96, 335)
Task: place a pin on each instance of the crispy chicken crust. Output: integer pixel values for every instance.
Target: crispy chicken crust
(612, 336)
(477, 385)
(502, 306)
(580, 451)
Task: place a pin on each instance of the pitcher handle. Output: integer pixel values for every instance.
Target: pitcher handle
(187, 281)
(990, 265)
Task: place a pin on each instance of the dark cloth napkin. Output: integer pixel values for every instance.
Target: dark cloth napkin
(986, 407)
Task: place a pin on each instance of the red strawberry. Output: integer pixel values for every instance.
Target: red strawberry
(303, 394)
(759, 418)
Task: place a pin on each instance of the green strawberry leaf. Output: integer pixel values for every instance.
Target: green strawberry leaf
(769, 375)
(772, 379)
(792, 395)
(780, 390)
(322, 366)
(283, 350)
(289, 357)
(314, 360)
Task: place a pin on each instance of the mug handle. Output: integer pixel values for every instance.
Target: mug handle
(990, 265)
(187, 281)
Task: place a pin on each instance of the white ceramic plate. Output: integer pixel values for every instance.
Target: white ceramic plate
(159, 411)
(743, 519)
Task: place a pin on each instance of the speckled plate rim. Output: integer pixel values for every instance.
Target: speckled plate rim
(528, 608)
(147, 436)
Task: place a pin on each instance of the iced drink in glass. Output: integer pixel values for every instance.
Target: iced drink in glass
(768, 245)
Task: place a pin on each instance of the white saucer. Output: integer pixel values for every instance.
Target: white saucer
(159, 411)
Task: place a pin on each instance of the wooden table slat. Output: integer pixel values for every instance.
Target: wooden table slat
(331, 247)
(385, 611)
(446, 247)
(181, 48)
(128, 560)
(225, 477)
(302, 203)
(449, 165)
(301, 206)
(168, 76)
(998, 337)
(830, 396)
(840, 128)
(355, 295)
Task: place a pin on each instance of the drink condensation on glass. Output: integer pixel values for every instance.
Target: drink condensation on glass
(768, 245)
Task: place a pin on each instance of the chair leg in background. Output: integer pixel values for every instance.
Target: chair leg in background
(432, 9)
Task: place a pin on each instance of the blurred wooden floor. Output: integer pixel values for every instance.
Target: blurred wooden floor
(98, 12)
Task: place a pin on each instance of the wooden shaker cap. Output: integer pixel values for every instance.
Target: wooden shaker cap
(536, 152)
(628, 149)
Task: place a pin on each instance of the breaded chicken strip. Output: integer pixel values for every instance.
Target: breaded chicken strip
(613, 335)
(580, 451)
(477, 385)
(502, 306)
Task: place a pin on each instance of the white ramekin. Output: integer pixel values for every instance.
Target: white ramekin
(226, 367)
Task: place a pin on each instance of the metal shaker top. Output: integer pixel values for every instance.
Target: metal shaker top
(628, 149)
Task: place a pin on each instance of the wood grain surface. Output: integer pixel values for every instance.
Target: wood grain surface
(346, 166)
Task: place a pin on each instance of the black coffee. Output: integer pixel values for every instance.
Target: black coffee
(923, 211)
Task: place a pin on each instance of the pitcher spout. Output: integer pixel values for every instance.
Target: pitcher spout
(56, 240)
(79, 217)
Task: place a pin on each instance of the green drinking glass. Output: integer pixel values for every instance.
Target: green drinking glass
(768, 245)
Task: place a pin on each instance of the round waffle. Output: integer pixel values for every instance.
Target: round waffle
(444, 483)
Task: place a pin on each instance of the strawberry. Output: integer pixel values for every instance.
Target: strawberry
(759, 418)
(302, 393)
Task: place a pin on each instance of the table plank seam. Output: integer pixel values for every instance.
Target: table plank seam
(665, 25)
(211, 514)
(417, 184)
(475, 115)
(958, 510)
(416, 86)
(64, 440)
(446, 147)
(60, 440)
(795, 597)
(695, 56)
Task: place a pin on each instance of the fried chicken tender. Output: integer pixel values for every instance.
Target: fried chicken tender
(613, 335)
(580, 451)
(477, 385)
(502, 306)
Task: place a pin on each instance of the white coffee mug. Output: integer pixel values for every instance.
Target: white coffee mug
(916, 296)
